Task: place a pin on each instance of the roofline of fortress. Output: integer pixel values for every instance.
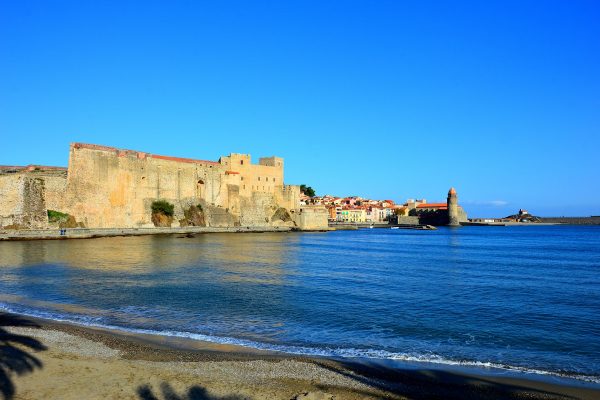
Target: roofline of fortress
(33, 167)
(139, 154)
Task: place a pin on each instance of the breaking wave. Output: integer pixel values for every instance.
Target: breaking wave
(333, 352)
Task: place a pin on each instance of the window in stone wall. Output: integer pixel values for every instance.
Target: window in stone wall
(259, 178)
(241, 162)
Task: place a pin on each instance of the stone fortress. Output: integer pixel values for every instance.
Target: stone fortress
(105, 187)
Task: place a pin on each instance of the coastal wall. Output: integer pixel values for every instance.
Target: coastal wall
(407, 220)
(22, 204)
(462, 215)
(106, 187)
(595, 220)
(311, 217)
(55, 187)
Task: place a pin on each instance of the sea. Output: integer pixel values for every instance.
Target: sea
(524, 299)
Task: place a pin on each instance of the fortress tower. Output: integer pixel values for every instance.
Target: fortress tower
(453, 219)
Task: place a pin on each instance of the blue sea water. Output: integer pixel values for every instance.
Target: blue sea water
(521, 298)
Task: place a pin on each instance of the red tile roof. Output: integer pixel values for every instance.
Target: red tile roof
(122, 153)
(433, 205)
(32, 167)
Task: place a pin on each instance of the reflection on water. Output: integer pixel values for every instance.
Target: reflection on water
(145, 279)
(527, 297)
(237, 255)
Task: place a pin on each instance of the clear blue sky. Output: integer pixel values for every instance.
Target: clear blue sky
(384, 99)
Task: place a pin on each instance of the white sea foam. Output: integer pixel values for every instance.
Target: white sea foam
(95, 322)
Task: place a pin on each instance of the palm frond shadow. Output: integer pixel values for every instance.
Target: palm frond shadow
(15, 358)
(195, 392)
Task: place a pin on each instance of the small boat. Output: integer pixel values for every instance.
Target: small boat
(395, 227)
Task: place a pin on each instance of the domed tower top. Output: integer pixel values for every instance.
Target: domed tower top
(452, 191)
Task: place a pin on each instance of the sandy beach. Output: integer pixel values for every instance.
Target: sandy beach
(47, 360)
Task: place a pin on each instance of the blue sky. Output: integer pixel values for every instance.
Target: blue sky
(386, 99)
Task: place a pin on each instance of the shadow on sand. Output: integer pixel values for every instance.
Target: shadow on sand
(393, 383)
(195, 392)
(435, 384)
(14, 356)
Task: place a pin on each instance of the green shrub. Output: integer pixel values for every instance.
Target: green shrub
(57, 216)
(307, 190)
(163, 207)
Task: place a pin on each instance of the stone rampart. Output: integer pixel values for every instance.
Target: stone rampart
(115, 188)
(22, 203)
(109, 187)
(106, 187)
(407, 220)
(311, 218)
(55, 191)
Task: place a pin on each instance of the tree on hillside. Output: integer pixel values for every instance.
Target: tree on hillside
(400, 211)
(307, 190)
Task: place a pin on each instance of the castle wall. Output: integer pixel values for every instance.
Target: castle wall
(23, 205)
(407, 220)
(11, 194)
(114, 188)
(55, 191)
(311, 218)
(258, 209)
(107, 188)
(288, 196)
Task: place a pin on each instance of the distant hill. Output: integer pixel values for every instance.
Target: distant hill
(524, 216)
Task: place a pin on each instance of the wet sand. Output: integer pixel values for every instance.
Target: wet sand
(89, 363)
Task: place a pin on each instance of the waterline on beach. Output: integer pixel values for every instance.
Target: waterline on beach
(345, 353)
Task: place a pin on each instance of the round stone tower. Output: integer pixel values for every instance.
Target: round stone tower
(452, 208)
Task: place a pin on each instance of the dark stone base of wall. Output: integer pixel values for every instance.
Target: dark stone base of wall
(595, 220)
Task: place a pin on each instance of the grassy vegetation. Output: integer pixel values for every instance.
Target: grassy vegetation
(163, 207)
(57, 216)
